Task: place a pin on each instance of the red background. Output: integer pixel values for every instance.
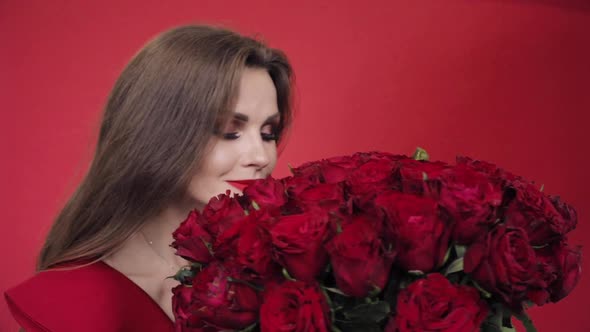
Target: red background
(504, 81)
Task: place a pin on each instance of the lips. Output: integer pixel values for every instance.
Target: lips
(240, 184)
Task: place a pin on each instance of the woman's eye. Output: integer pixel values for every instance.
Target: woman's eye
(231, 136)
(270, 137)
(270, 133)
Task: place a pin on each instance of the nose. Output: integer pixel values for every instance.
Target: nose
(257, 154)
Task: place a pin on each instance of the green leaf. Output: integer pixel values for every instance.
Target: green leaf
(465, 280)
(184, 274)
(249, 328)
(338, 227)
(506, 317)
(358, 327)
(287, 275)
(460, 250)
(335, 291)
(335, 329)
(255, 205)
(483, 292)
(526, 322)
(424, 176)
(245, 283)
(508, 329)
(373, 312)
(375, 291)
(404, 283)
(421, 154)
(415, 273)
(391, 289)
(488, 326)
(493, 322)
(447, 256)
(330, 305)
(526, 304)
(208, 245)
(456, 266)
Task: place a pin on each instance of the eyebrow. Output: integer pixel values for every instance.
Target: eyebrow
(244, 118)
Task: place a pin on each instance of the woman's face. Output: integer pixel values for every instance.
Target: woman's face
(246, 147)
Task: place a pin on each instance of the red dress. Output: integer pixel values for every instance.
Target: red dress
(93, 298)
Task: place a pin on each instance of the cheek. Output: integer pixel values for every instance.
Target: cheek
(220, 160)
(273, 158)
(217, 163)
(221, 163)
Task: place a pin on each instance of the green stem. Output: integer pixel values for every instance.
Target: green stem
(526, 321)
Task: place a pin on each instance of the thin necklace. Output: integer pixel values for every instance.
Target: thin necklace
(150, 244)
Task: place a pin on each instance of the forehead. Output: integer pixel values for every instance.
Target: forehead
(257, 96)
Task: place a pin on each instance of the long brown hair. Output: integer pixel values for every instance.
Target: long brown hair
(155, 128)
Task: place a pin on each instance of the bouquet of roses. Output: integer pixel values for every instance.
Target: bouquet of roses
(375, 242)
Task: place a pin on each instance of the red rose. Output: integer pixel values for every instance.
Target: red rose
(471, 199)
(360, 260)
(568, 214)
(410, 175)
(434, 304)
(220, 302)
(559, 267)
(311, 171)
(294, 306)
(253, 247)
(269, 193)
(367, 181)
(503, 263)
(538, 215)
(337, 169)
(371, 177)
(364, 157)
(498, 175)
(182, 306)
(296, 184)
(246, 240)
(298, 243)
(191, 241)
(221, 213)
(325, 196)
(419, 227)
(567, 261)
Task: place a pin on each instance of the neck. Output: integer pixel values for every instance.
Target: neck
(158, 231)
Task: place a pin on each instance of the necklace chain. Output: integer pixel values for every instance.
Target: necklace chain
(150, 244)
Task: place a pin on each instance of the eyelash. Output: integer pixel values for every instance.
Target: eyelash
(265, 137)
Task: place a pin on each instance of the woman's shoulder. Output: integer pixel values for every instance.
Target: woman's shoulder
(92, 297)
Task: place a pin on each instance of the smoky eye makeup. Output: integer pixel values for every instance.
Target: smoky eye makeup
(269, 131)
(231, 130)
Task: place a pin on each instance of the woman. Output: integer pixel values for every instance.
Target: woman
(198, 106)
